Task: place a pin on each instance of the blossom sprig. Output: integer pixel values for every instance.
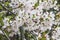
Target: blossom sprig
(32, 15)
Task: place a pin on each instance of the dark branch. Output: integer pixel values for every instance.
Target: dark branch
(6, 8)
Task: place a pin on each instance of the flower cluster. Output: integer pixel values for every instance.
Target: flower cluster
(34, 15)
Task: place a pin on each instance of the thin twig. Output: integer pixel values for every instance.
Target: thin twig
(6, 35)
(50, 33)
(22, 32)
(6, 8)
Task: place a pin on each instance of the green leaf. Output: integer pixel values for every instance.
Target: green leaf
(1, 7)
(1, 14)
(36, 5)
(10, 17)
(57, 16)
(6, 3)
(33, 16)
(43, 35)
(1, 21)
(53, 1)
(1, 18)
(39, 38)
(43, 38)
(58, 5)
(2, 37)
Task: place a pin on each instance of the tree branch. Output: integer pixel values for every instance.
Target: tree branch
(5, 8)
